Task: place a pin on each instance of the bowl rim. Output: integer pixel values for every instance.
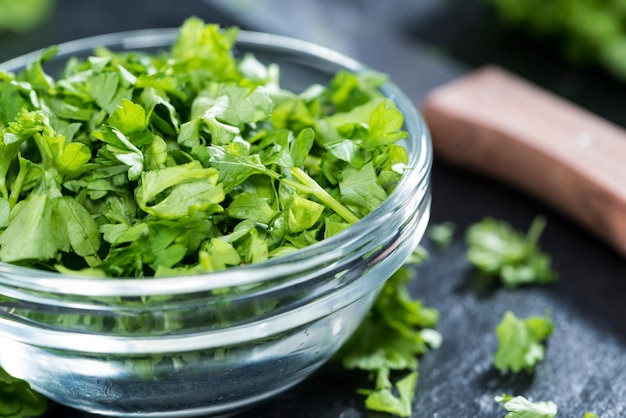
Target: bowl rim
(416, 177)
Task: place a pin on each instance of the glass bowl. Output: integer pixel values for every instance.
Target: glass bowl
(221, 341)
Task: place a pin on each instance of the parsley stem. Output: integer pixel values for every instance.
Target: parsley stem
(536, 229)
(323, 195)
(3, 189)
(17, 188)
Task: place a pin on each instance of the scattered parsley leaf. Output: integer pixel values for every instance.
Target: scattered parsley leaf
(383, 398)
(442, 234)
(17, 399)
(496, 249)
(520, 407)
(521, 342)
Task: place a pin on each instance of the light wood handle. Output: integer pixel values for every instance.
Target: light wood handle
(499, 125)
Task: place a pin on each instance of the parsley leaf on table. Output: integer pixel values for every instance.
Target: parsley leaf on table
(498, 250)
(17, 399)
(441, 234)
(520, 407)
(521, 342)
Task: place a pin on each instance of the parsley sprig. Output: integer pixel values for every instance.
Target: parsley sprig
(498, 250)
(521, 342)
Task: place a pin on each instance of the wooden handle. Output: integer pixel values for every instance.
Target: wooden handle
(500, 125)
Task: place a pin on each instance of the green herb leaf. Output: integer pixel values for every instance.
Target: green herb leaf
(584, 32)
(82, 232)
(251, 206)
(521, 342)
(384, 400)
(360, 188)
(173, 192)
(442, 234)
(207, 48)
(235, 165)
(496, 249)
(17, 399)
(520, 407)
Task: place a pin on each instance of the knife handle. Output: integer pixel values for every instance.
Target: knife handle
(499, 125)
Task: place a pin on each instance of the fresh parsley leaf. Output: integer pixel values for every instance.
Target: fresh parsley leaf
(360, 188)
(383, 398)
(205, 49)
(17, 399)
(498, 250)
(520, 407)
(442, 234)
(521, 342)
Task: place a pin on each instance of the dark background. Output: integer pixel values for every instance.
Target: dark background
(422, 43)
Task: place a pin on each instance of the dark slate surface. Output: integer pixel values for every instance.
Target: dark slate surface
(586, 356)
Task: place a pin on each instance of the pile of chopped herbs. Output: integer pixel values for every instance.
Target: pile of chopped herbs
(397, 331)
(189, 160)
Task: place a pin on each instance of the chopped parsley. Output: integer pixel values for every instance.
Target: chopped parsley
(520, 407)
(190, 160)
(17, 399)
(395, 333)
(442, 234)
(496, 249)
(195, 159)
(521, 342)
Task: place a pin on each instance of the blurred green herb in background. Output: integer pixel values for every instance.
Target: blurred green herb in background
(23, 15)
(587, 31)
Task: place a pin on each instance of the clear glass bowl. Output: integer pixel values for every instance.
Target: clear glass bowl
(220, 341)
